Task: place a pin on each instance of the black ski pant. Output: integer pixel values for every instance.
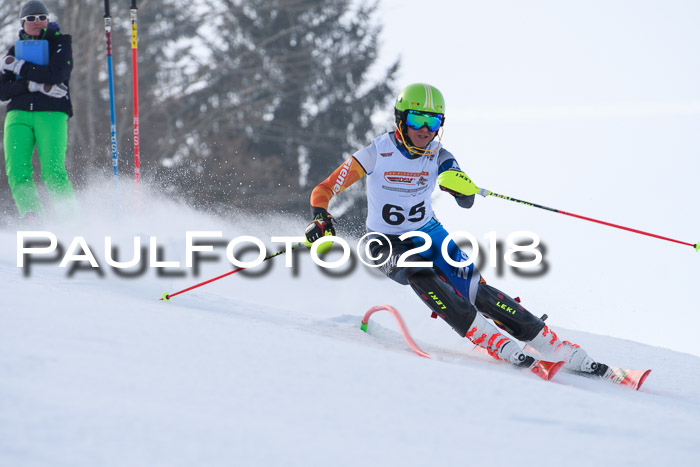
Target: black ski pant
(435, 289)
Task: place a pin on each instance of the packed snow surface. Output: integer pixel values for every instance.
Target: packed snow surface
(274, 369)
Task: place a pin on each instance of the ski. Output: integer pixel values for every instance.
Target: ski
(616, 375)
(622, 376)
(542, 368)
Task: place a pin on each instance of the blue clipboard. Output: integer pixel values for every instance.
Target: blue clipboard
(36, 52)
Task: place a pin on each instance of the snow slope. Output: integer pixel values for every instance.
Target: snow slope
(274, 370)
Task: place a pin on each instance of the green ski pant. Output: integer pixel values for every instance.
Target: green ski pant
(49, 132)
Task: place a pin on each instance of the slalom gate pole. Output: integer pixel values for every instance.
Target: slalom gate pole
(166, 296)
(112, 112)
(484, 192)
(135, 87)
(402, 325)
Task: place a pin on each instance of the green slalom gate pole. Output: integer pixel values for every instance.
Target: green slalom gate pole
(167, 296)
(460, 183)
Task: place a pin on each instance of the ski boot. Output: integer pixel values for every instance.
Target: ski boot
(486, 336)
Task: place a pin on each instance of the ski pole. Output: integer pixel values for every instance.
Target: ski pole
(135, 82)
(458, 182)
(166, 296)
(112, 112)
(483, 192)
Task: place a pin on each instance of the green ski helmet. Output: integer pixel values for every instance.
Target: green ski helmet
(419, 97)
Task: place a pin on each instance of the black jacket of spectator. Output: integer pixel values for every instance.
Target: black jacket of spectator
(57, 71)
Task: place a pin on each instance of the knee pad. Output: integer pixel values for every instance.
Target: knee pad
(443, 299)
(507, 313)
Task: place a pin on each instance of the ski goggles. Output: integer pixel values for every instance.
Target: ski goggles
(417, 120)
(33, 18)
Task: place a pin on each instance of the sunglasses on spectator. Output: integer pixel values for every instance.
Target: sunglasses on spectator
(33, 18)
(417, 120)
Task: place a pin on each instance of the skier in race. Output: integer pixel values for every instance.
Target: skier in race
(402, 169)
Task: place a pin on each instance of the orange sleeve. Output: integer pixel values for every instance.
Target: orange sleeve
(348, 173)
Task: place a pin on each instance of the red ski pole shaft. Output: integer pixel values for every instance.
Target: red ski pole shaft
(166, 296)
(484, 192)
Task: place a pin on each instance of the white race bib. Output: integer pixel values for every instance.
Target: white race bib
(399, 189)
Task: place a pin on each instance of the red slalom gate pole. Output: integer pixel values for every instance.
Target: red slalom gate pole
(402, 325)
(135, 85)
(167, 296)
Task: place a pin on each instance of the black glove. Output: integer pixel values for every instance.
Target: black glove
(320, 226)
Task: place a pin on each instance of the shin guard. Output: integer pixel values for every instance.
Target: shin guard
(443, 299)
(507, 313)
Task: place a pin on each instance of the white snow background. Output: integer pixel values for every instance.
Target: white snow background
(274, 370)
(592, 109)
